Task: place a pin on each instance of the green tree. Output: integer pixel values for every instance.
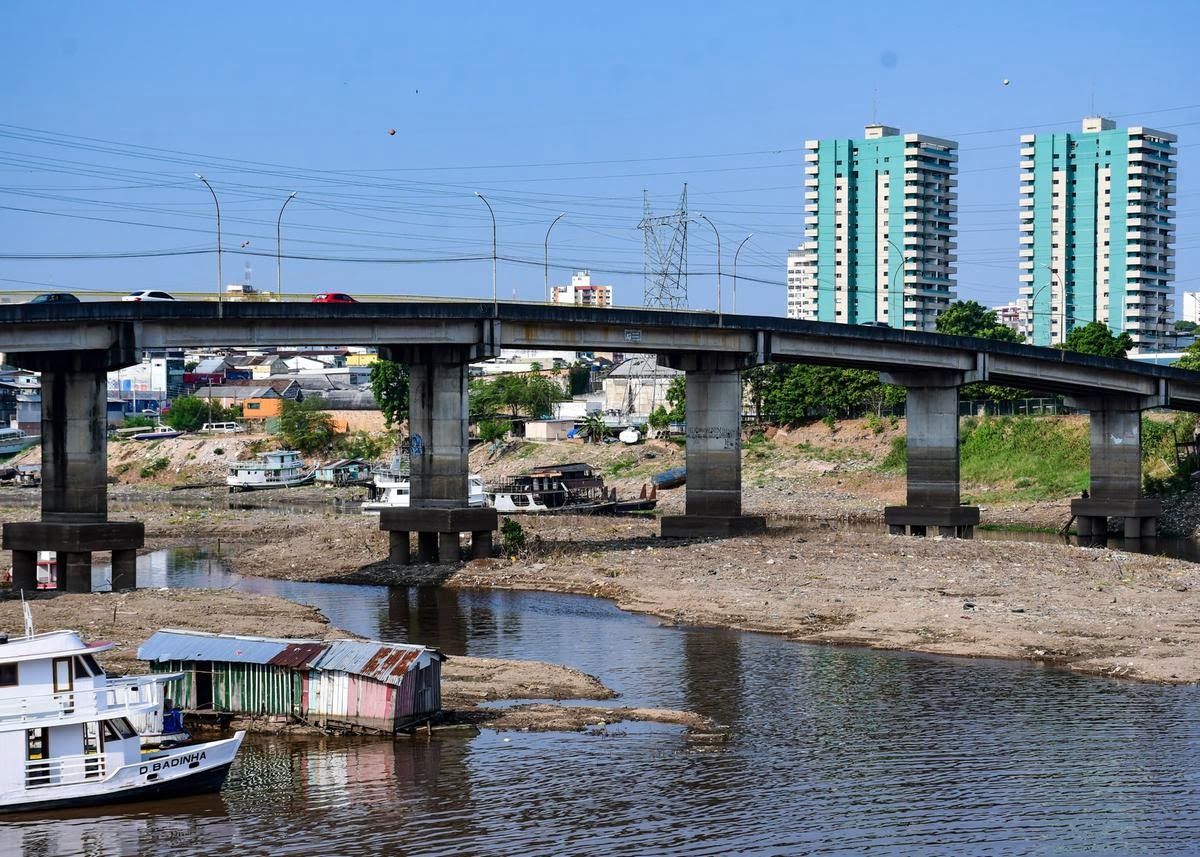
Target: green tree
(188, 413)
(532, 395)
(595, 427)
(579, 378)
(1185, 326)
(677, 398)
(389, 386)
(971, 318)
(1191, 358)
(1095, 338)
(491, 430)
(304, 425)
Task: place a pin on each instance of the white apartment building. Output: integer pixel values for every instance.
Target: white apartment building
(582, 292)
(1097, 212)
(880, 225)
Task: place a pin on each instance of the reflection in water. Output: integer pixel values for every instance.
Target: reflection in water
(832, 750)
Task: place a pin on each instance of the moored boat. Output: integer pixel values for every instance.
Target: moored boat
(282, 469)
(13, 440)
(159, 432)
(67, 734)
(391, 491)
(565, 488)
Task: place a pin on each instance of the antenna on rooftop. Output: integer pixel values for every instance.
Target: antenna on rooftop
(28, 617)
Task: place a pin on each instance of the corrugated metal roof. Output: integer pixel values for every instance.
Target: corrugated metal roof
(384, 662)
(298, 655)
(172, 645)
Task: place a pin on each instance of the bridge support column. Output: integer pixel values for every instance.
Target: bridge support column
(713, 504)
(438, 419)
(74, 521)
(932, 473)
(1115, 489)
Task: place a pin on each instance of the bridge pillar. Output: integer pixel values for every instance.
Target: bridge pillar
(1115, 486)
(932, 473)
(438, 419)
(74, 494)
(713, 504)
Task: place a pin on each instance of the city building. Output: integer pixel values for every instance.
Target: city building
(582, 292)
(1097, 213)
(1013, 315)
(880, 216)
(1191, 307)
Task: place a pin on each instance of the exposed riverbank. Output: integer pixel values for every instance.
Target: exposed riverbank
(469, 684)
(1092, 610)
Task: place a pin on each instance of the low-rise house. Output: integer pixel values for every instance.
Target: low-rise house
(548, 429)
(343, 685)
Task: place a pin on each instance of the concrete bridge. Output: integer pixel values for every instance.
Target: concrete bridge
(74, 347)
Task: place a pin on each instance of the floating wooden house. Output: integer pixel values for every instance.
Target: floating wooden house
(344, 471)
(345, 685)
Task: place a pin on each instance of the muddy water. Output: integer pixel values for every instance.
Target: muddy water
(831, 751)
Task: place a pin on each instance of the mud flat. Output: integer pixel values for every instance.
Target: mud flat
(468, 684)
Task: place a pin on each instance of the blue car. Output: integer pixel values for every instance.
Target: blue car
(55, 298)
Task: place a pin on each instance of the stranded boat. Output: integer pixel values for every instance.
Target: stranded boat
(67, 734)
(159, 432)
(13, 440)
(282, 469)
(47, 571)
(389, 491)
(565, 488)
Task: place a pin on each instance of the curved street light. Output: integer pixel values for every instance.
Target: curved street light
(218, 205)
(735, 258)
(546, 261)
(1062, 312)
(493, 214)
(279, 248)
(718, 234)
(904, 260)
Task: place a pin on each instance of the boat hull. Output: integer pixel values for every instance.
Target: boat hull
(203, 782)
(267, 486)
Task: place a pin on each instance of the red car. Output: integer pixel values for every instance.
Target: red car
(333, 298)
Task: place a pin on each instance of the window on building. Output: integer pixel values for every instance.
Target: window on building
(8, 675)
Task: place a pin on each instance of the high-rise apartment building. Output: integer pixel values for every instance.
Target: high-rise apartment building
(582, 292)
(880, 217)
(1097, 215)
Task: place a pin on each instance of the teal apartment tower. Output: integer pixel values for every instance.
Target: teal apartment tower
(879, 230)
(1097, 214)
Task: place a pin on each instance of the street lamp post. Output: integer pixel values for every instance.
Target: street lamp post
(218, 205)
(493, 214)
(279, 248)
(546, 262)
(892, 277)
(735, 258)
(718, 234)
(1062, 312)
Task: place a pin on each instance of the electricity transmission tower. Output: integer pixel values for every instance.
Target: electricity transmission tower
(664, 265)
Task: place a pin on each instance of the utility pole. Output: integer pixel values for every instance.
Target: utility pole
(220, 286)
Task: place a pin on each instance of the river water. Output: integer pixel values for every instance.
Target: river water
(832, 751)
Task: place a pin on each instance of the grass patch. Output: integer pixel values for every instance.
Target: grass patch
(1040, 459)
(622, 465)
(525, 450)
(1016, 528)
(155, 467)
(826, 453)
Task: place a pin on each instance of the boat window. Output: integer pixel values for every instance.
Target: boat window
(64, 679)
(8, 675)
(117, 729)
(85, 665)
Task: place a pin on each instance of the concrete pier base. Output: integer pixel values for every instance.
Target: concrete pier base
(24, 570)
(124, 569)
(439, 533)
(932, 493)
(78, 572)
(1092, 515)
(713, 503)
(711, 526)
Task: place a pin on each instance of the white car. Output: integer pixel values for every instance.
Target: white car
(147, 295)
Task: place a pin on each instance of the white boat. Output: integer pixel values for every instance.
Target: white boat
(67, 739)
(392, 492)
(13, 440)
(159, 432)
(282, 469)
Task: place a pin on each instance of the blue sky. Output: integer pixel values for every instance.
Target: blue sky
(108, 110)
